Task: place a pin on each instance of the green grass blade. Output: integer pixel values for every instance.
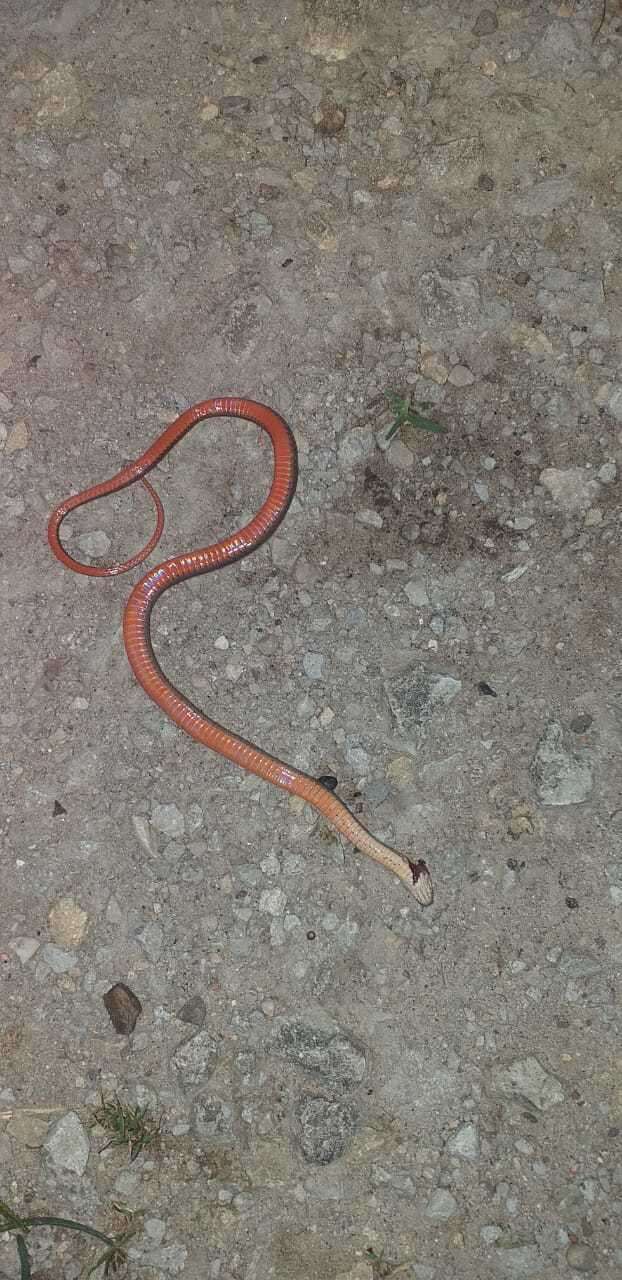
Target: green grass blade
(415, 419)
(69, 1225)
(9, 1220)
(24, 1261)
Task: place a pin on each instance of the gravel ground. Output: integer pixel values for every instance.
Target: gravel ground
(316, 205)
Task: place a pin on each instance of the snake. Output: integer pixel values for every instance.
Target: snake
(413, 872)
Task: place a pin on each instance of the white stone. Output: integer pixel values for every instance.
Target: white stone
(465, 1142)
(168, 819)
(67, 1144)
(273, 902)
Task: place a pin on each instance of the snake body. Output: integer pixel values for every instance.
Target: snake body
(136, 621)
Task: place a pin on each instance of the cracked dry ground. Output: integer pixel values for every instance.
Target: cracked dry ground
(316, 206)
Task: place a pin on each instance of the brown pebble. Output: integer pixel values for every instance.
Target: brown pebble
(123, 1007)
(330, 119)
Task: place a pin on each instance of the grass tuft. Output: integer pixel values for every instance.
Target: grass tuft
(113, 1258)
(131, 1127)
(407, 414)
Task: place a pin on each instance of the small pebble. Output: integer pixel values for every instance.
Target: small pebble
(441, 1205)
(460, 376)
(329, 119)
(123, 1008)
(95, 544)
(273, 902)
(370, 518)
(581, 723)
(580, 1257)
(193, 1011)
(313, 665)
(417, 593)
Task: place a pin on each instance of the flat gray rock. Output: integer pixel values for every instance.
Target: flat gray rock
(561, 777)
(67, 1144)
(417, 695)
(527, 1078)
(325, 1128)
(195, 1059)
(335, 1057)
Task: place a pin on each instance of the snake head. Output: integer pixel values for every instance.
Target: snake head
(422, 882)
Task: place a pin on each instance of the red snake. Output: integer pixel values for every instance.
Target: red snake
(136, 621)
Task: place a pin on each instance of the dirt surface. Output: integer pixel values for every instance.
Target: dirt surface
(316, 205)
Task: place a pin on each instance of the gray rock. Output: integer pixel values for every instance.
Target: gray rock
(334, 1057)
(212, 1117)
(325, 1128)
(415, 696)
(561, 778)
(313, 665)
(526, 1078)
(518, 1260)
(441, 1205)
(234, 106)
(39, 153)
(168, 819)
(465, 1142)
(615, 403)
(71, 14)
(557, 52)
(356, 755)
(96, 543)
(260, 226)
(449, 304)
(273, 902)
(56, 959)
(151, 939)
(195, 1059)
(398, 1179)
(357, 445)
(170, 1258)
(193, 1011)
(573, 489)
(575, 965)
(545, 197)
(580, 1257)
(67, 1144)
(485, 23)
(372, 519)
(417, 593)
(581, 287)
